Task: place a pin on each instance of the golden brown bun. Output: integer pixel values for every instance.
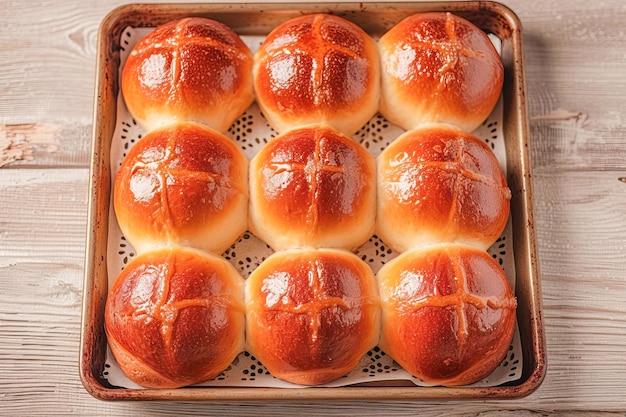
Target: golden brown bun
(191, 69)
(311, 314)
(440, 184)
(312, 187)
(175, 317)
(317, 69)
(438, 67)
(448, 313)
(182, 184)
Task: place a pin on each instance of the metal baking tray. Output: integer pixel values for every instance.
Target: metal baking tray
(257, 19)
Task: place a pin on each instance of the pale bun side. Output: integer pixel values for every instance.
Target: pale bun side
(311, 314)
(175, 317)
(448, 313)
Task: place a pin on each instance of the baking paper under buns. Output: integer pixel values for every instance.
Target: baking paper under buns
(448, 313)
(440, 184)
(182, 184)
(317, 68)
(175, 317)
(191, 69)
(311, 314)
(438, 67)
(312, 187)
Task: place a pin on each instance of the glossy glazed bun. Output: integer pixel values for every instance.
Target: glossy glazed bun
(191, 69)
(317, 69)
(182, 184)
(438, 67)
(312, 187)
(440, 184)
(175, 317)
(448, 313)
(311, 314)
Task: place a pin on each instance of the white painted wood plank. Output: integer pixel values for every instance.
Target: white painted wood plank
(59, 144)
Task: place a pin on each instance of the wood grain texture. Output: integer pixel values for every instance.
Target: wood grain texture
(575, 66)
(45, 144)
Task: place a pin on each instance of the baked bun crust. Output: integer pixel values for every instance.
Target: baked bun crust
(312, 187)
(438, 67)
(448, 313)
(311, 314)
(175, 317)
(182, 184)
(191, 69)
(440, 184)
(317, 68)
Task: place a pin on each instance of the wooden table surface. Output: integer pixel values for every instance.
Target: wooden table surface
(576, 81)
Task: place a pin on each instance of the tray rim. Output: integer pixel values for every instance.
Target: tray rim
(95, 287)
